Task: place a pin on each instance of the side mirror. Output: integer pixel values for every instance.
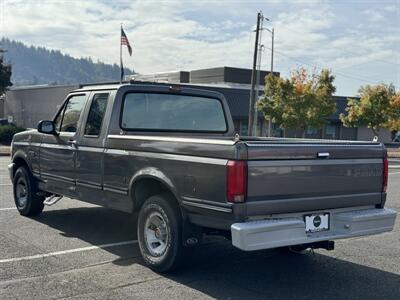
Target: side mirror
(46, 127)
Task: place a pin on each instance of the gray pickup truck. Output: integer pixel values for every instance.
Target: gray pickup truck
(170, 154)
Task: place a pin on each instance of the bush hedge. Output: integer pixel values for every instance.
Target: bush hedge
(7, 132)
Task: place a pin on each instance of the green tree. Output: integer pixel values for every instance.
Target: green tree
(5, 75)
(378, 107)
(394, 114)
(301, 101)
(38, 65)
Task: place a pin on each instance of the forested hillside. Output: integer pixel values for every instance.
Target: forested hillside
(38, 65)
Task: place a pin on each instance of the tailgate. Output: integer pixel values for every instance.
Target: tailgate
(293, 177)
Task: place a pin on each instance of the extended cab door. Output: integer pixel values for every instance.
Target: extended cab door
(58, 152)
(90, 148)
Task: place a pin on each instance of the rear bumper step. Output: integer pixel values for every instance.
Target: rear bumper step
(273, 233)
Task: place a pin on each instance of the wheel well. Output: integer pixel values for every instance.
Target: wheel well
(147, 187)
(19, 162)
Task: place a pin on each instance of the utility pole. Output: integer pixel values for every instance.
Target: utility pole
(272, 73)
(258, 83)
(253, 79)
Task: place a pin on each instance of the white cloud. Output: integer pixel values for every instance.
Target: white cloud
(392, 8)
(171, 35)
(373, 15)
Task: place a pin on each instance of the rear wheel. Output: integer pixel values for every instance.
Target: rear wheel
(24, 188)
(160, 234)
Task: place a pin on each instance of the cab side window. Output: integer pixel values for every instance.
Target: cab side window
(96, 114)
(72, 111)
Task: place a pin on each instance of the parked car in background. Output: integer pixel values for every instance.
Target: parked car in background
(4, 121)
(170, 153)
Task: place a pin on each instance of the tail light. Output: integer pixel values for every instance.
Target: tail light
(236, 179)
(385, 174)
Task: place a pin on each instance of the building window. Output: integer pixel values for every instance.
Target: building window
(276, 130)
(330, 132)
(244, 127)
(313, 132)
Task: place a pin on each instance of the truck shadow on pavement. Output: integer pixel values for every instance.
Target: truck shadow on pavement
(221, 271)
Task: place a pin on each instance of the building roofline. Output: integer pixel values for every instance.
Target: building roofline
(41, 86)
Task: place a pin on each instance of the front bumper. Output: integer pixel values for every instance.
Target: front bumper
(279, 232)
(11, 171)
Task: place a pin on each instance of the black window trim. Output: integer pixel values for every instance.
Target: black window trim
(172, 130)
(102, 120)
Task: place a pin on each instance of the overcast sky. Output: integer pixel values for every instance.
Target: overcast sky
(358, 40)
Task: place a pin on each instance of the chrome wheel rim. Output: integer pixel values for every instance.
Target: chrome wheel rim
(22, 192)
(156, 234)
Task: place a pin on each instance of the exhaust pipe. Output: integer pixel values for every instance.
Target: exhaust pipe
(327, 245)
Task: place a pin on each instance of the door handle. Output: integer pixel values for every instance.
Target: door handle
(323, 154)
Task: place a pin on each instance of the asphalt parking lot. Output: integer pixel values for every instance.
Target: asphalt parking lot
(76, 250)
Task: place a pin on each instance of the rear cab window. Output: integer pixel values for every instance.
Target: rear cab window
(96, 114)
(172, 112)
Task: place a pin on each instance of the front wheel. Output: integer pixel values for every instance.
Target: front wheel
(24, 188)
(160, 234)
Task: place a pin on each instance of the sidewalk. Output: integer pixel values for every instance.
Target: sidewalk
(4, 150)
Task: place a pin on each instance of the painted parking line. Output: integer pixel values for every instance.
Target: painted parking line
(57, 253)
(394, 173)
(8, 208)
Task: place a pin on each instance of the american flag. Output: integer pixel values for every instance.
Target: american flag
(124, 41)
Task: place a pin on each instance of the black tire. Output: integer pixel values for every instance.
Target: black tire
(165, 210)
(25, 189)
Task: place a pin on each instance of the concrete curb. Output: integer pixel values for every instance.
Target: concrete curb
(4, 150)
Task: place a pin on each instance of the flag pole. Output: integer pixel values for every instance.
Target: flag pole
(120, 56)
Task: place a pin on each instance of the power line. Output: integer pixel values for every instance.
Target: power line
(351, 76)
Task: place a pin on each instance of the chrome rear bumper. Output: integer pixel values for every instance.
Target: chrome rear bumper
(272, 233)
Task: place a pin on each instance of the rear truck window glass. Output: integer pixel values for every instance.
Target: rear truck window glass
(96, 114)
(170, 112)
(72, 112)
